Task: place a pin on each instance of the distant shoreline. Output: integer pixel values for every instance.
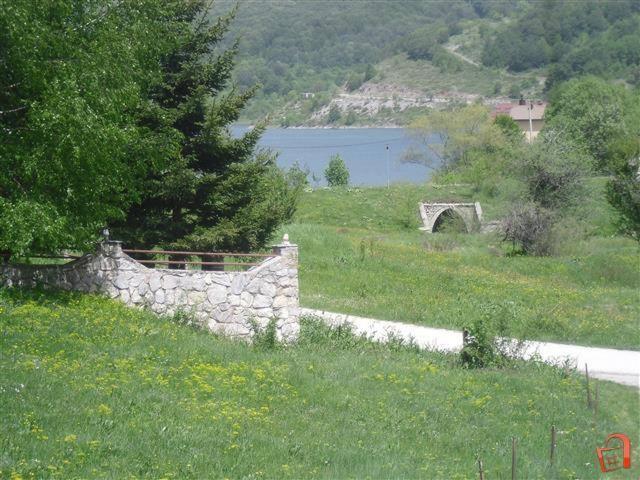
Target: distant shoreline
(323, 127)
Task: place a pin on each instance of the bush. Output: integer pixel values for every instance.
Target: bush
(553, 171)
(337, 173)
(529, 228)
(485, 341)
(623, 190)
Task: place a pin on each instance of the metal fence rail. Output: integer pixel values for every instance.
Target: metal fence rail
(198, 254)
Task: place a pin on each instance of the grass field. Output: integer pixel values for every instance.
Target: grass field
(361, 253)
(92, 389)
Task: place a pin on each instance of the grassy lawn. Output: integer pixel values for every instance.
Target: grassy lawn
(361, 253)
(92, 389)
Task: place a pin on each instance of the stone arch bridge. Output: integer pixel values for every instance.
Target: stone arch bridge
(432, 214)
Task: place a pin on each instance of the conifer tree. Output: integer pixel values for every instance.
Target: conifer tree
(211, 191)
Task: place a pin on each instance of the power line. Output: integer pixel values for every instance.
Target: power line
(336, 146)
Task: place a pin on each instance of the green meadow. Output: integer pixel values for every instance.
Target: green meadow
(361, 253)
(92, 389)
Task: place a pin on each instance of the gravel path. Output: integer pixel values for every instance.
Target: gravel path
(620, 366)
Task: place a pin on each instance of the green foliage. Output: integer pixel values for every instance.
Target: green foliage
(265, 337)
(591, 112)
(509, 128)
(529, 229)
(623, 190)
(336, 173)
(484, 340)
(553, 170)
(72, 81)
(215, 191)
(600, 38)
(454, 136)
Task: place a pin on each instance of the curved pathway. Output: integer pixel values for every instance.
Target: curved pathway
(620, 366)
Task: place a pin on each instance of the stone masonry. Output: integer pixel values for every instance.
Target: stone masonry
(225, 302)
(471, 213)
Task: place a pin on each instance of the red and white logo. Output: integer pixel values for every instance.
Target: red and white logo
(615, 454)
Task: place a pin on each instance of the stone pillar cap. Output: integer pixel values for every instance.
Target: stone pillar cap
(285, 242)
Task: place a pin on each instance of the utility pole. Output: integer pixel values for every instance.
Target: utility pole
(388, 181)
(530, 123)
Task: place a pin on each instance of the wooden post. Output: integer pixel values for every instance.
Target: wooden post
(596, 402)
(552, 455)
(480, 470)
(586, 373)
(513, 458)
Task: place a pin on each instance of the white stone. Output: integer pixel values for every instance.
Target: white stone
(262, 301)
(220, 279)
(199, 284)
(217, 294)
(135, 297)
(263, 312)
(246, 299)
(280, 301)
(143, 288)
(155, 283)
(159, 297)
(169, 282)
(196, 298)
(268, 289)
(121, 282)
(237, 284)
(169, 297)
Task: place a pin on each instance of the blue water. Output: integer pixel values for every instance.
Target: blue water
(364, 151)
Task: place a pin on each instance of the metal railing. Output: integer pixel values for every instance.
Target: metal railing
(4, 257)
(173, 253)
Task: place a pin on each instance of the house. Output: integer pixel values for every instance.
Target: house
(528, 116)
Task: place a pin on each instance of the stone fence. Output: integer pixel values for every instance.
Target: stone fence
(225, 302)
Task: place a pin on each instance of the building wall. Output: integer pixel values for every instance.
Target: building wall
(226, 302)
(524, 126)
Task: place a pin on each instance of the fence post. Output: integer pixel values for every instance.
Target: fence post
(586, 373)
(513, 458)
(287, 249)
(553, 444)
(480, 470)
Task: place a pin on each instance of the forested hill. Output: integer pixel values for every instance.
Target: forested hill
(408, 48)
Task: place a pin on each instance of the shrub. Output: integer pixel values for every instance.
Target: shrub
(623, 190)
(529, 228)
(337, 173)
(265, 338)
(485, 341)
(553, 170)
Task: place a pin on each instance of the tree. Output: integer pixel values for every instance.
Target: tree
(336, 173)
(509, 128)
(212, 191)
(72, 75)
(553, 170)
(591, 112)
(453, 137)
(623, 190)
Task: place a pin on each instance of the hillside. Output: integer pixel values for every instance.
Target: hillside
(374, 63)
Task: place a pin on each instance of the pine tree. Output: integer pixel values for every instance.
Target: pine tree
(211, 191)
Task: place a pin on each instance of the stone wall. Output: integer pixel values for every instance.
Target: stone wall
(226, 302)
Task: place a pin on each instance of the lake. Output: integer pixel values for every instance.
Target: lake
(364, 151)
